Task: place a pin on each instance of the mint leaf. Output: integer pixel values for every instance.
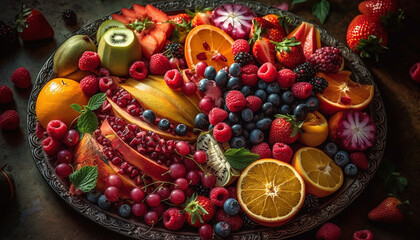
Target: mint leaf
(298, 1)
(401, 184)
(85, 178)
(321, 10)
(96, 101)
(240, 158)
(87, 122)
(76, 107)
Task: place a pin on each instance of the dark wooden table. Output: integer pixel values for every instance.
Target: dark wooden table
(38, 212)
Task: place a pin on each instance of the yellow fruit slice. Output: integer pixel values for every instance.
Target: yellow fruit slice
(314, 130)
(270, 192)
(322, 176)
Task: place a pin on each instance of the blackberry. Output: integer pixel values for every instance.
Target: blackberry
(243, 58)
(69, 17)
(176, 49)
(8, 35)
(318, 84)
(201, 190)
(304, 72)
(327, 59)
(311, 204)
(248, 222)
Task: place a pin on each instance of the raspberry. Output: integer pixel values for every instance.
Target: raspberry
(56, 129)
(6, 95)
(138, 70)
(21, 78)
(218, 196)
(262, 149)
(51, 146)
(235, 101)
(9, 120)
(282, 152)
(173, 218)
(222, 132)
(235, 222)
(328, 231)
(327, 59)
(250, 69)
(90, 85)
(302, 90)
(159, 64)
(267, 72)
(240, 45)
(173, 79)
(40, 131)
(359, 159)
(89, 61)
(415, 72)
(254, 103)
(286, 78)
(103, 72)
(249, 79)
(217, 115)
(232, 192)
(106, 83)
(363, 235)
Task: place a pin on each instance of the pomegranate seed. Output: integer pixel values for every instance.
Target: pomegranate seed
(201, 56)
(219, 57)
(206, 46)
(134, 173)
(116, 160)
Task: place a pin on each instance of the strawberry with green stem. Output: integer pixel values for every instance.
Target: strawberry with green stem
(284, 129)
(181, 26)
(389, 210)
(200, 16)
(199, 210)
(289, 52)
(262, 49)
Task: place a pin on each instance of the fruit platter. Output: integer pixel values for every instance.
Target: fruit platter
(227, 120)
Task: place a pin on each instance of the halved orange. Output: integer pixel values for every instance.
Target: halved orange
(314, 130)
(271, 192)
(210, 44)
(322, 176)
(342, 93)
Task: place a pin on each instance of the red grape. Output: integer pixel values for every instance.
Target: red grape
(139, 209)
(137, 194)
(193, 177)
(71, 137)
(63, 170)
(181, 183)
(151, 218)
(113, 180)
(163, 191)
(200, 156)
(177, 170)
(64, 156)
(208, 180)
(153, 199)
(177, 196)
(182, 148)
(112, 194)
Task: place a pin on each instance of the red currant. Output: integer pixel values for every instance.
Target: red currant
(200, 156)
(139, 209)
(177, 170)
(151, 218)
(113, 180)
(177, 196)
(208, 180)
(181, 183)
(182, 148)
(137, 194)
(63, 170)
(64, 156)
(112, 194)
(71, 137)
(153, 199)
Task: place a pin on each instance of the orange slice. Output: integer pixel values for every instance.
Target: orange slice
(206, 43)
(314, 130)
(322, 176)
(342, 93)
(270, 192)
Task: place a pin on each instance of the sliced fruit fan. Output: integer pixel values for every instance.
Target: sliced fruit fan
(214, 120)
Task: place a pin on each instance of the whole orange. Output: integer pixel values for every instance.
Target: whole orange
(55, 98)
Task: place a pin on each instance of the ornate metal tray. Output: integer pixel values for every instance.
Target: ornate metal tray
(329, 207)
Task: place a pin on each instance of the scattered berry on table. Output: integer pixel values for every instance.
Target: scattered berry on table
(282, 152)
(124, 210)
(304, 72)
(415, 72)
(363, 235)
(89, 61)
(359, 159)
(9, 120)
(6, 95)
(21, 78)
(69, 17)
(341, 158)
(350, 170)
(319, 84)
(90, 85)
(243, 58)
(8, 36)
(327, 59)
(328, 231)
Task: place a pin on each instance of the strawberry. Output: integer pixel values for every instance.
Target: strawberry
(200, 16)
(366, 35)
(181, 26)
(269, 30)
(32, 25)
(378, 8)
(284, 129)
(273, 18)
(180, 18)
(289, 52)
(199, 210)
(388, 211)
(263, 50)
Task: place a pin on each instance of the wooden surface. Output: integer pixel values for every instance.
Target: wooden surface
(38, 213)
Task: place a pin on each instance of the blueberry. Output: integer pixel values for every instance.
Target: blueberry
(274, 99)
(256, 136)
(262, 85)
(237, 130)
(222, 229)
(221, 78)
(234, 83)
(273, 88)
(181, 129)
(164, 124)
(285, 109)
(247, 115)
(226, 108)
(264, 124)
(312, 103)
(202, 121)
(301, 111)
(93, 196)
(211, 126)
(341, 158)
(245, 133)
(149, 116)
(233, 117)
(267, 108)
(250, 126)
(261, 94)
(210, 72)
(257, 117)
(202, 84)
(350, 170)
(330, 149)
(231, 206)
(287, 97)
(246, 91)
(124, 210)
(235, 69)
(238, 142)
(104, 203)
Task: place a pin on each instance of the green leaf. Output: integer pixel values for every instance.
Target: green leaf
(321, 10)
(85, 178)
(193, 218)
(87, 122)
(188, 11)
(401, 183)
(298, 1)
(77, 107)
(240, 158)
(385, 169)
(96, 101)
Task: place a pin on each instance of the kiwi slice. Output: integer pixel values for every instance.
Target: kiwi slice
(118, 49)
(105, 26)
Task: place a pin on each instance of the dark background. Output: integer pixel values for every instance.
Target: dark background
(38, 213)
